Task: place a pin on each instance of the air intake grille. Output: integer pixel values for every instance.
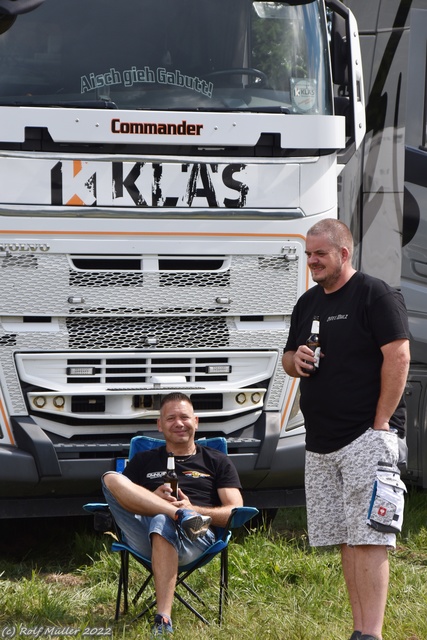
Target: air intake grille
(139, 370)
(114, 279)
(58, 285)
(132, 333)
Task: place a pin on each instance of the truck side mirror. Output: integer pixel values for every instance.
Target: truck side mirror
(339, 50)
(347, 75)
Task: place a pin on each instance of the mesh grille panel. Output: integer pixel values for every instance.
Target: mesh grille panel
(8, 340)
(26, 261)
(131, 333)
(246, 284)
(219, 279)
(96, 279)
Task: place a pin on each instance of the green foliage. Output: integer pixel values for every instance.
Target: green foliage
(280, 588)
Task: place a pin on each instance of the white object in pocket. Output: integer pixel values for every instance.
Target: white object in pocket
(387, 503)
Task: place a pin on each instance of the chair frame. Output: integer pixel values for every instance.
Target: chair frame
(220, 547)
(238, 517)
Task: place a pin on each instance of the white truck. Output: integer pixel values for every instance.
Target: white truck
(160, 164)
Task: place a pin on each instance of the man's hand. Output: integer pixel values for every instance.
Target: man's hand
(383, 426)
(183, 502)
(299, 363)
(165, 492)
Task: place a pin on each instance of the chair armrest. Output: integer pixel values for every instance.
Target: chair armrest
(102, 518)
(240, 515)
(92, 507)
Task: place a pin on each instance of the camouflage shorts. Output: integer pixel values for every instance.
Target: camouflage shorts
(339, 488)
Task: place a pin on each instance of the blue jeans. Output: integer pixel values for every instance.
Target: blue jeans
(136, 532)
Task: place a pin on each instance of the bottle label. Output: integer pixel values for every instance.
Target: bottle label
(316, 362)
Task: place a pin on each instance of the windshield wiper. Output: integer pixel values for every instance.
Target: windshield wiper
(242, 109)
(226, 109)
(82, 104)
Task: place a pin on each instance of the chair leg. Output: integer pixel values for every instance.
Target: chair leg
(223, 583)
(181, 580)
(123, 585)
(179, 597)
(140, 592)
(141, 589)
(191, 590)
(144, 611)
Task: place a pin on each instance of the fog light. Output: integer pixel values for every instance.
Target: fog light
(256, 397)
(218, 368)
(39, 401)
(80, 371)
(241, 398)
(59, 402)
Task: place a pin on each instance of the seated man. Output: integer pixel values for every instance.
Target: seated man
(173, 531)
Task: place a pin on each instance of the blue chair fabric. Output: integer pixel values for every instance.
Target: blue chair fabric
(239, 516)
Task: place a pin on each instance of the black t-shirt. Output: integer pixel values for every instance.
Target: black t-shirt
(199, 476)
(339, 401)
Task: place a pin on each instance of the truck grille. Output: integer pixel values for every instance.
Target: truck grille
(141, 369)
(60, 285)
(114, 371)
(129, 386)
(133, 333)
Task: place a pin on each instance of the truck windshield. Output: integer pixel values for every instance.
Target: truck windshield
(213, 55)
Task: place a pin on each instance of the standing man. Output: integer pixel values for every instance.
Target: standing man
(353, 410)
(173, 531)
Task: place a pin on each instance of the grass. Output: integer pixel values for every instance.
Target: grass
(60, 579)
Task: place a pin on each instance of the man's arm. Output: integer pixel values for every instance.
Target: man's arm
(288, 364)
(139, 500)
(394, 372)
(230, 497)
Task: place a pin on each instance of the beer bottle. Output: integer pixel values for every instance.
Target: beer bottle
(314, 343)
(171, 477)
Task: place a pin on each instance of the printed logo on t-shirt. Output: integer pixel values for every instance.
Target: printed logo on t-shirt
(156, 474)
(196, 474)
(340, 316)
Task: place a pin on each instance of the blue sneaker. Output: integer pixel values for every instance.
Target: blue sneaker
(162, 626)
(191, 523)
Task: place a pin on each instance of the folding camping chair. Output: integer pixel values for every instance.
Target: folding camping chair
(238, 517)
